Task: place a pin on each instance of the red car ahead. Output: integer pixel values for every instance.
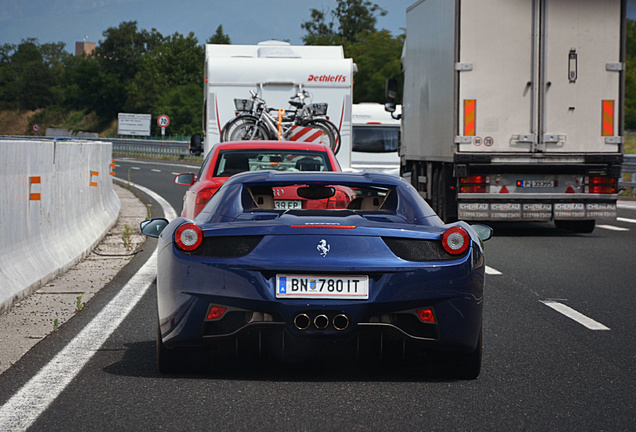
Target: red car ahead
(229, 158)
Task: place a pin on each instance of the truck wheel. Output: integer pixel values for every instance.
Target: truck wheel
(580, 227)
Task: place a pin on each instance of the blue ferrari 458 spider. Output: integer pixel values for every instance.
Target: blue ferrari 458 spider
(369, 271)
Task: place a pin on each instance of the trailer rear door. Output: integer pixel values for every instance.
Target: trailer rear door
(580, 76)
(496, 67)
(539, 76)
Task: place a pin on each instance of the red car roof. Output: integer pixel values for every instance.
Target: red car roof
(293, 145)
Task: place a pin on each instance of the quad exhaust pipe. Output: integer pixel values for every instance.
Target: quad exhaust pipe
(303, 321)
(341, 322)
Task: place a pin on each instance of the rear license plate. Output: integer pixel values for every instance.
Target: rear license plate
(287, 204)
(311, 286)
(537, 183)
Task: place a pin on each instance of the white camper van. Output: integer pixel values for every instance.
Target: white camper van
(276, 72)
(375, 140)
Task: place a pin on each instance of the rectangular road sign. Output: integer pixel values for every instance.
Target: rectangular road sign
(133, 124)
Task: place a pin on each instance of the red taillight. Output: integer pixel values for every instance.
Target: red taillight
(473, 189)
(426, 315)
(204, 195)
(188, 237)
(474, 184)
(455, 240)
(216, 312)
(600, 180)
(339, 201)
(600, 185)
(473, 179)
(602, 189)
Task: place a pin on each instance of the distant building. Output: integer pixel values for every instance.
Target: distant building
(84, 48)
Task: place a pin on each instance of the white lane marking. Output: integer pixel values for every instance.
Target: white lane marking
(25, 406)
(576, 316)
(135, 168)
(626, 205)
(492, 271)
(626, 220)
(612, 228)
(155, 170)
(137, 161)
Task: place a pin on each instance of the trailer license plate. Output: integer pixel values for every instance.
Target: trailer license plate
(287, 204)
(537, 183)
(312, 286)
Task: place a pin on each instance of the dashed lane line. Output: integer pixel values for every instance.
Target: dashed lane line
(492, 271)
(620, 219)
(25, 406)
(575, 315)
(612, 228)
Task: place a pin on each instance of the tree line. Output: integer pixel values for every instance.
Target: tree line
(134, 70)
(139, 71)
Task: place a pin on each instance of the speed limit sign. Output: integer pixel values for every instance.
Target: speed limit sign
(163, 120)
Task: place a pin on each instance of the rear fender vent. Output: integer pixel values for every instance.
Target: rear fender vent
(227, 246)
(418, 249)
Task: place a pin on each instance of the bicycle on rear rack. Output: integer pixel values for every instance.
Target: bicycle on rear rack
(256, 121)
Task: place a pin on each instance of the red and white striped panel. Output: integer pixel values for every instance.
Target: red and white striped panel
(305, 134)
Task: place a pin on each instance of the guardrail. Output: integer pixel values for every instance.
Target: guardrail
(128, 146)
(629, 167)
(160, 148)
(156, 148)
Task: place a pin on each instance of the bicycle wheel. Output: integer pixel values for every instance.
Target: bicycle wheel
(244, 128)
(230, 125)
(334, 130)
(328, 130)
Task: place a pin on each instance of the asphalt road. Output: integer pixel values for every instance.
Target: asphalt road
(542, 370)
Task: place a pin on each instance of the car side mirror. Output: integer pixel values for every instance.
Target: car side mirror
(153, 227)
(196, 146)
(186, 179)
(483, 231)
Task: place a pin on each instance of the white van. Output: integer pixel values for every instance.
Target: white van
(375, 139)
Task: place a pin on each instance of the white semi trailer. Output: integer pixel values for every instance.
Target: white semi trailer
(513, 109)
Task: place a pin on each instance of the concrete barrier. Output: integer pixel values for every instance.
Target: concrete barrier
(56, 203)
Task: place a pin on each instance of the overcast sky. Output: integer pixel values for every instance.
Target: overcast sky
(245, 21)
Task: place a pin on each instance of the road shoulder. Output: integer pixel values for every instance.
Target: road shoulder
(40, 314)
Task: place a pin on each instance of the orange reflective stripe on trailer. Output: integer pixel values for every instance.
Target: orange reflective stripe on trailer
(469, 117)
(607, 128)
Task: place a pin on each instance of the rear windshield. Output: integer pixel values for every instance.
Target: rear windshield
(323, 197)
(375, 139)
(232, 162)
